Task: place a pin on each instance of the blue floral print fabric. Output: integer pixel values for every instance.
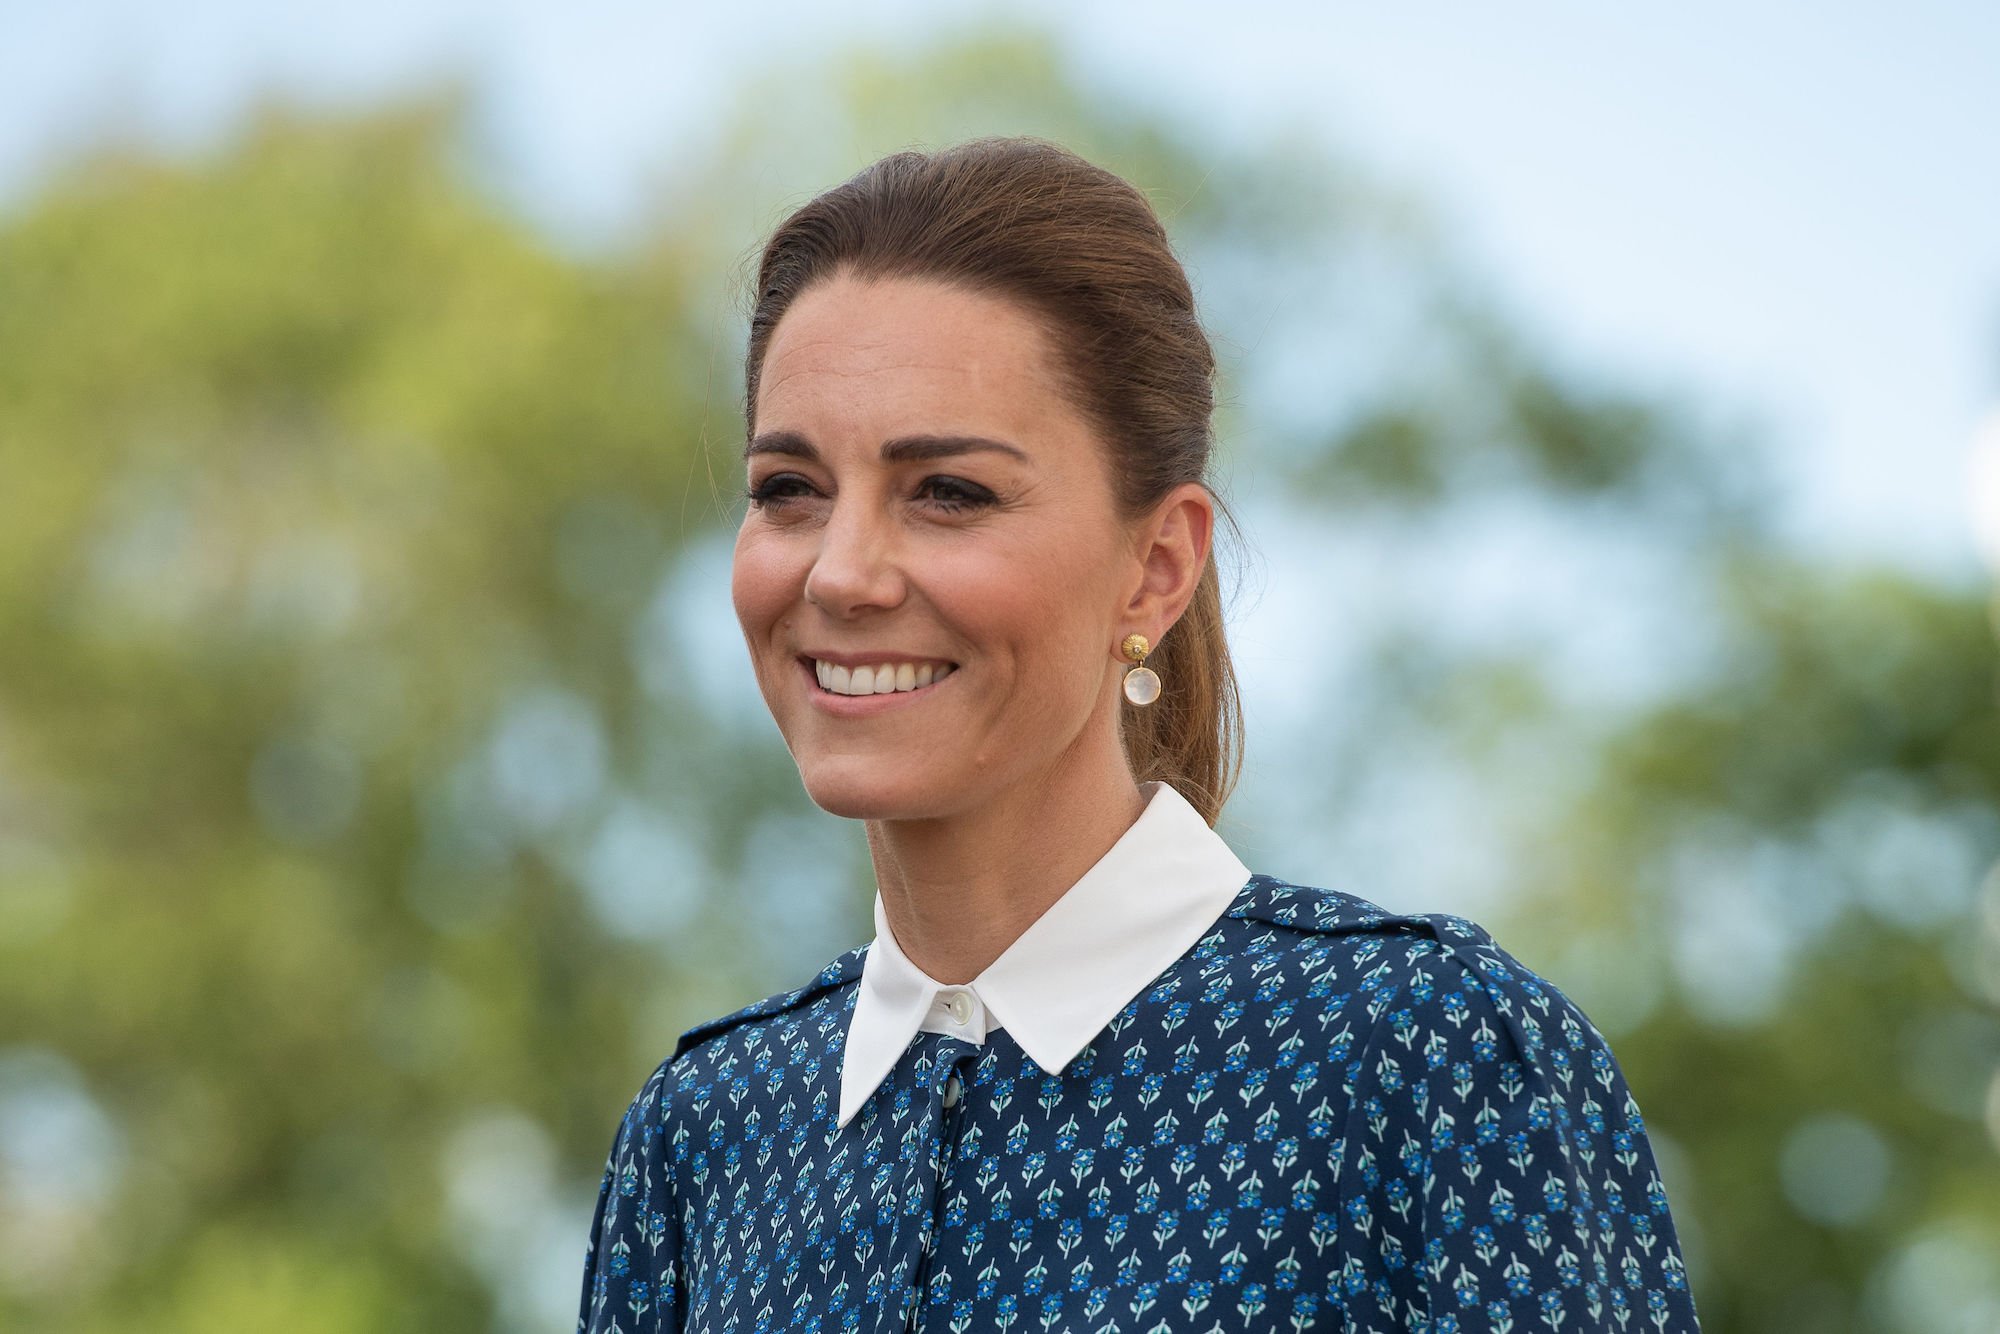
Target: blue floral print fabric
(1321, 1116)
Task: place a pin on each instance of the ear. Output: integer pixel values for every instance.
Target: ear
(1171, 548)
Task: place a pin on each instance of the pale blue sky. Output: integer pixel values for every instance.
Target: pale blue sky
(1788, 207)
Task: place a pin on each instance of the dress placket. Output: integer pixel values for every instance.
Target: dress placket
(928, 1183)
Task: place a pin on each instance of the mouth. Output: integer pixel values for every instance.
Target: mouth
(854, 680)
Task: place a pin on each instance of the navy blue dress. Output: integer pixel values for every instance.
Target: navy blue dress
(1321, 1116)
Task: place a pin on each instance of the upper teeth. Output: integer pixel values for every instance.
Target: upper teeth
(883, 679)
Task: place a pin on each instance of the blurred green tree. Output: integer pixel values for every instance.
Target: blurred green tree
(379, 793)
(334, 496)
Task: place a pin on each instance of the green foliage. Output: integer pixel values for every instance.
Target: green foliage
(325, 466)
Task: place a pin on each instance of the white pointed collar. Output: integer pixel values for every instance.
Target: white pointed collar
(1156, 892)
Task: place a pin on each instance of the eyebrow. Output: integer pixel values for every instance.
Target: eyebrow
(903, 449)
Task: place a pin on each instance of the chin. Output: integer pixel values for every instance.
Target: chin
(867, 792)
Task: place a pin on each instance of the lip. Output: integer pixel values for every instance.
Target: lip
(864, 706)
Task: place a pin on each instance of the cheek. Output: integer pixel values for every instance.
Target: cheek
(1035, 603)
(760, 584)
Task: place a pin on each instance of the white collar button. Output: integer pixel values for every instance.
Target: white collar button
(960, 1005)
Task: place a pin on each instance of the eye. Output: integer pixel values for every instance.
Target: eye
(955, 494)
(777, 489)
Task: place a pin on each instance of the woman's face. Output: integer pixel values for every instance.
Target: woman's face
(927, 506)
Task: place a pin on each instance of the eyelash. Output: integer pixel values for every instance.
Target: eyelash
(971, 496)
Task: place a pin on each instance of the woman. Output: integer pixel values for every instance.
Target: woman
(1091, 1073)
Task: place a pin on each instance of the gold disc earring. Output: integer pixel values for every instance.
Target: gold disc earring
(1142, 683)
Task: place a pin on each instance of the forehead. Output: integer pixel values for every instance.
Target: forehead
(890, 356)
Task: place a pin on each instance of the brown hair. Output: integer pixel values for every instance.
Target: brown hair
(1082, 248)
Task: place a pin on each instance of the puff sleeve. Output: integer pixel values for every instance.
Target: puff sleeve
(1495, 1171)
(632, 1281)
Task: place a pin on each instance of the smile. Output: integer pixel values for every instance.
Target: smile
(886, 678)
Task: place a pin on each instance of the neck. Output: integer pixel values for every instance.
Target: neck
(959, 889)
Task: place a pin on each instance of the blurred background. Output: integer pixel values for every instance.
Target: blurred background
(1609, 405)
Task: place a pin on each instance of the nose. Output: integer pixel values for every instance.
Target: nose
(858, 565)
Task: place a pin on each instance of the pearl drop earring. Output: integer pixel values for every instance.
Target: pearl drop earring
(1142, 683)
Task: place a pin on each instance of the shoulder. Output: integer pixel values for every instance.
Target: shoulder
(1333, 924)
(704, 1056)
(1331, 912)
(843, 971)
(1415, 969)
